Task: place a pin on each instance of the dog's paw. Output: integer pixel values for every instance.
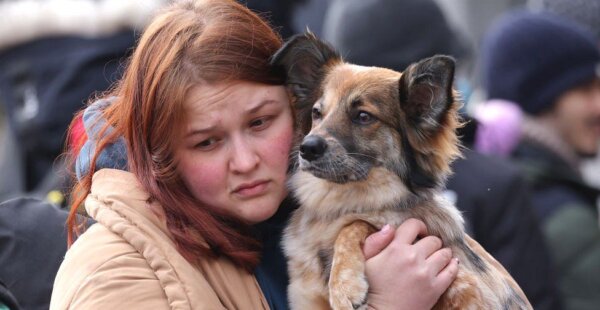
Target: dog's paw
(348, 290)
(348, 286)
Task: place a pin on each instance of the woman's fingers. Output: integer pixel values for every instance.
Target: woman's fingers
(378, 241)
(438, 260)
(443, 280)
(407, 267)
(428, 246)
(409, 231)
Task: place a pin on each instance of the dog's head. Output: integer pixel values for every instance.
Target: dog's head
(359, 118)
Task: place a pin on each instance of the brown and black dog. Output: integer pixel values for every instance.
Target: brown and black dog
(377, 151)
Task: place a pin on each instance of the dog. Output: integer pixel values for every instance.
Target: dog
(377, 149)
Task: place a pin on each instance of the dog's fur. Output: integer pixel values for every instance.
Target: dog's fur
(378, 150)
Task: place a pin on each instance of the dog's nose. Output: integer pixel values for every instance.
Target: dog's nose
(312, 147)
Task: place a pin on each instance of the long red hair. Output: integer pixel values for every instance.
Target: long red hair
(188, 43)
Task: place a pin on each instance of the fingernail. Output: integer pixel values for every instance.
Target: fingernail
(386, 228)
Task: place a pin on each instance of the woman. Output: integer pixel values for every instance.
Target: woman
(207, 128)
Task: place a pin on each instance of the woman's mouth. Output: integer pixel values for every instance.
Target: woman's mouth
(252, 189)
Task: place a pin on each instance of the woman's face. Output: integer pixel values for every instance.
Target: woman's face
(234, 151)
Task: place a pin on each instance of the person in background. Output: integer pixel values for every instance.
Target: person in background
(32, 246)
(549, 67)
(53, 55)
(491, 192)
(585, 13)
(184, 167)
(395, 35)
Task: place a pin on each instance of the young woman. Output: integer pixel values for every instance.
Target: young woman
(200, 130)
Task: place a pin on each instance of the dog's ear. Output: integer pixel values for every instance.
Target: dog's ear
(431, 119)
(303, 60)
(426, 91)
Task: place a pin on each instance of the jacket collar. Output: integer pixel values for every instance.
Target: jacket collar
(534, 131)
(112, 185)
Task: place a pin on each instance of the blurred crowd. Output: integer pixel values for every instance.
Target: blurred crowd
(528, 73)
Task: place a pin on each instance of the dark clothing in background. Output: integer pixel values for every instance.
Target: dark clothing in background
(566, 207)
(33, 242)
(42, 84)
(7, 299)
(495, 201)
(279, 14)
(390, 33)
(555, 183)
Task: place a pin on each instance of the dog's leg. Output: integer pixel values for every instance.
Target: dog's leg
(307, 288)
(348, 285)
(304, 294)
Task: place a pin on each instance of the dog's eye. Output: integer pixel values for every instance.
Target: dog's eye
(363, 118)
(316, 113)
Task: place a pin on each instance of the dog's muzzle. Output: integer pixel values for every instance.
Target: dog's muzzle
(312, 147)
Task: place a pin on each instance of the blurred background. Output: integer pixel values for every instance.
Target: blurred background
(49, 35)
(57, 55)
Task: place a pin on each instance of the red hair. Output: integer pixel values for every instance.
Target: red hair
(190, 42)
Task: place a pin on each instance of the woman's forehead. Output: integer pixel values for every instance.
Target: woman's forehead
(231, 96)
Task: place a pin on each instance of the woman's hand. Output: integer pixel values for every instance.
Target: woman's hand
(404, 273)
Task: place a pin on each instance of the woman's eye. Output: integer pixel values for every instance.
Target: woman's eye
(206, 145)
(316, 113)
(260, 123)
(364, 118)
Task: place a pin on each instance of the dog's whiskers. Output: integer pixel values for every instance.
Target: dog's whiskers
(365, 155)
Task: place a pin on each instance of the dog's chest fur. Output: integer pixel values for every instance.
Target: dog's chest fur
(327, 208)
(381, 199)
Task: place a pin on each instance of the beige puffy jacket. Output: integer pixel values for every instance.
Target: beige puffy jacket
(128, 261)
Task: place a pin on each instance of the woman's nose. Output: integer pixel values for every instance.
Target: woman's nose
(244, 157)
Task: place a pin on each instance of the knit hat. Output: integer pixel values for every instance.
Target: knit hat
(114, 155)
(389, 33)
(533, 58)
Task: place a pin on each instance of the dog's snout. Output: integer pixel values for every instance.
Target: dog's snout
(312, 147)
